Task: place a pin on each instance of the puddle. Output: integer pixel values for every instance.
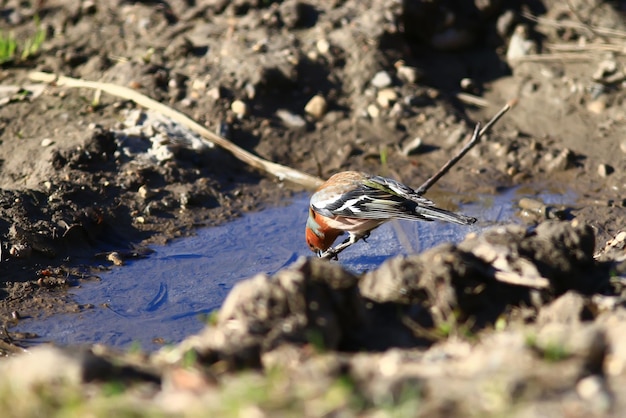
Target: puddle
(165, 295)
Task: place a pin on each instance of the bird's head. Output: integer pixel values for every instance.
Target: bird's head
(319, 237)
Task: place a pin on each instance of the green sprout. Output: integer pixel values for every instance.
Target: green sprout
(12, 49)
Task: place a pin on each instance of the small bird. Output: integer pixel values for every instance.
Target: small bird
(357, 203)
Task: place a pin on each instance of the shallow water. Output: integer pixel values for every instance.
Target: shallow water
(165, 295)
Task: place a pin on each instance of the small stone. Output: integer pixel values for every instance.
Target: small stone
(604, 170)
(605, 68)
(240, 108)
(115, 258)
(562, 161)
(291, 119)
(520, 45)
(250, 91)
(88, 7)
(412, 146)
(46, 142)
(214, 93)
(622, 146)
(408, 74)
(397, 110)
(381, 80)
(505, 23)
(467, 84)
(145, 193)
(386, 97)
(596, 106)
(316, 107)
(589, 387)
(187, 102)
(456, 136)
(373, 111)
(322, 46)
(198, 84)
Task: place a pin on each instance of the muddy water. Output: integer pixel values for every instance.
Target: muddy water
(163, 298)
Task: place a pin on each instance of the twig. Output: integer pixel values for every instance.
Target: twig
(589, 47)
(578, 17)
(280, 171)
(472, 100)
(615, 33)
(555, 57)
(475, 139)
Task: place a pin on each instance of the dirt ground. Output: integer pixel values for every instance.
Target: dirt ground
(84, 175)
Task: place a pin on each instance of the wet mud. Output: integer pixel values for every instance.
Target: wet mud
(88, 181)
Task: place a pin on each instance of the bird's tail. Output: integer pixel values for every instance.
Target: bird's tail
(435, 214)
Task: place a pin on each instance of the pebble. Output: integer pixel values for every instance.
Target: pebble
(505, 23)
(397, 110)
(144, 192)
(239, 107)
(605, 68)
(562, 161)
(323, 46)
(467, 84)
(386, 97)
(456, 136)
(596, 106)
(291, 119)
(46, 142)
(381, 80)
(214, 93)
(604, 170)
(88, 7)
(115, 258)
(373, 111)
(519, 45)
(591, 389)
(197, 84)
(316, 107)
(250, 90)
(412, 146)
(408, 74)
(622, 146)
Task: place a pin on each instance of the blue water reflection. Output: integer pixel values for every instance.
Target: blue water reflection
(164, 295)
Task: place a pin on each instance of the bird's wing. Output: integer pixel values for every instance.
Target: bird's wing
(374, 198)
(409, 204)
(394, 187)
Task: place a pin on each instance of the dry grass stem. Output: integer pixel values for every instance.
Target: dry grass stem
(277, 170)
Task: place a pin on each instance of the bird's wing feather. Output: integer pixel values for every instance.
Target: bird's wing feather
(380, 198)
(370, 200)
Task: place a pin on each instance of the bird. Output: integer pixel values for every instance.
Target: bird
(356, 203)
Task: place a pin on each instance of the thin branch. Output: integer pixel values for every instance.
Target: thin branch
(478, 133)
(280, 171)
(615, 33)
